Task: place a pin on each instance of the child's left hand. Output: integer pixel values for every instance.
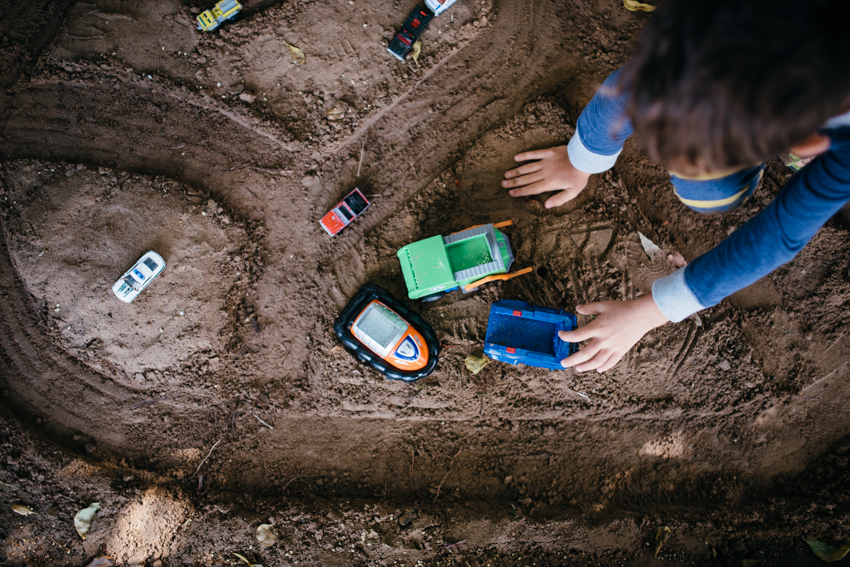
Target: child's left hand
(618, 327)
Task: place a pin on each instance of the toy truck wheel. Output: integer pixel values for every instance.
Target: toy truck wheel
(432, 297)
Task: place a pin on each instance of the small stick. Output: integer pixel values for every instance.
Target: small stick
(412, 461)
(176, 147)
(456, 544)
(447, 475)
(265, 170)
(149, 402)
(208, 455)
(288, 483)
(263, 422)
(85, 38)
(359, 163)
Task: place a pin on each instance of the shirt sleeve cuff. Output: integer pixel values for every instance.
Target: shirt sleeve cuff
(674, 298)
(587, 161)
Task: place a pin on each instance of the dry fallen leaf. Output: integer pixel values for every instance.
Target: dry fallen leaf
(297, 54)
(660, 537)
(634, 6)
(417, 49)
(475, 363)
(335, 113)
(84, 518)
(266, 535)
(245, 559)
(828, 552)
(21, 509)
(649, 246)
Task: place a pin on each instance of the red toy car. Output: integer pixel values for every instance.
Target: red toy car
(344, 212)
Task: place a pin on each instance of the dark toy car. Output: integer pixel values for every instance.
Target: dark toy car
(410, 31)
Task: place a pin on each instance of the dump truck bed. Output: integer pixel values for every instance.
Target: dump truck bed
(518, 333)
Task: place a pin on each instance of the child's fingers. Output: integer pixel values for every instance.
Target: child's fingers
(577, 335)
(534, 154)
(591, 308)
(559, 198)
(523, 170)
(532, 189)
(580, 357)
(610, 363)
(524, 180)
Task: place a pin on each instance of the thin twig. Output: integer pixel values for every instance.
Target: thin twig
(447, 475)
(263, 422)
(208, 455)
(359, 163)
(288, 483)
(412, 463)
(265, 170)
(456, 544)
(85, 38)
(149, 402)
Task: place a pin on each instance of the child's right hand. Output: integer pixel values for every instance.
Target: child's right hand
(552, 172)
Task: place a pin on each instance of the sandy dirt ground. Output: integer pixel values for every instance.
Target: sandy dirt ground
(221, 398)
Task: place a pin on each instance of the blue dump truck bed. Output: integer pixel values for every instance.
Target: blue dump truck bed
(518, 333)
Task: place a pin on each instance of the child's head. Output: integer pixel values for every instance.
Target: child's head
(728, 83)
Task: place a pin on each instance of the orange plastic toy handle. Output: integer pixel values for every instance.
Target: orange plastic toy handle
(495, 225)
(488, 279)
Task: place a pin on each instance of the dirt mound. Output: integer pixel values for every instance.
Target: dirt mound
(70, 228)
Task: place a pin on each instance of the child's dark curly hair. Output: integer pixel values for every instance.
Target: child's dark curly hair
(728, 83)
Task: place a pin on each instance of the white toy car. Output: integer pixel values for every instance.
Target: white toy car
(138, 277)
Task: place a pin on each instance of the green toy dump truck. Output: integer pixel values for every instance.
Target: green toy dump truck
(439, 265)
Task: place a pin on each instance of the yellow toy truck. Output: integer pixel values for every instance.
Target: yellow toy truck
(208, 20)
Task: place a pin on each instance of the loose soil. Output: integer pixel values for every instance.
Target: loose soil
(221, 399)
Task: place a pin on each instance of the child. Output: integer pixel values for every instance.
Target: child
(714, 89)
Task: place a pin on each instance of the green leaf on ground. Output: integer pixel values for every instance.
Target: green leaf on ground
(829, 552)
(84, 518)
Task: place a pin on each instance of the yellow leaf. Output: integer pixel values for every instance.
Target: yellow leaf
(21, 509)
(475, 363)
(417, 49)
(634, 6)
(297, 54)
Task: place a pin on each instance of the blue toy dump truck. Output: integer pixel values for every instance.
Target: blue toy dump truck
(518, 333)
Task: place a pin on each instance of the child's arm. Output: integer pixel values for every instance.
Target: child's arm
(601, 131)
(765, 242)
